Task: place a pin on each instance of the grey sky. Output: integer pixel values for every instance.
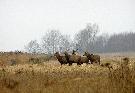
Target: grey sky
(25, 20)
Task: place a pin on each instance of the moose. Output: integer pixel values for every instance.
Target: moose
(93, 58)
(73, 58)
(76, 58)
(61, 59)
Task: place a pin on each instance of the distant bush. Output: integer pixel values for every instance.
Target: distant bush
(34, 60)
(13, 62)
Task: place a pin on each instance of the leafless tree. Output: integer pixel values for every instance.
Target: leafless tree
(85, 38)
(50, 41)
(65, 43)
(33, 47)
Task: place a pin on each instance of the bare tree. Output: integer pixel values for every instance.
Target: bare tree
(65, 43)
(54, 41)
(33, 47)
(85, 38)
(50, 41)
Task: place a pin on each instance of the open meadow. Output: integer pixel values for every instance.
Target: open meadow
(20, 74)
(67, 46)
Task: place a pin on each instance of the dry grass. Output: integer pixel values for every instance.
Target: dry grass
(24, 58)
(50, 77)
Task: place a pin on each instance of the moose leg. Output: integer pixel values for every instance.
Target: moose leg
(78, 63)
(70, 63)
(87, 63)
(91, 62)
(99, 62)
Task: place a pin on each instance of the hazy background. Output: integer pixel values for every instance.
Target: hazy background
(25, 20)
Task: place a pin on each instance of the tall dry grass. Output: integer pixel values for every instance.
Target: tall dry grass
(50, 77)
(13, 58)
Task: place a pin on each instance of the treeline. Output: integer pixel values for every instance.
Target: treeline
(86, 39)
(123, 42)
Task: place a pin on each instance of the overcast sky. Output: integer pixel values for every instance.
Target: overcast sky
(25, 20)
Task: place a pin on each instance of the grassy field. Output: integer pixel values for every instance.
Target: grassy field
(49, 77)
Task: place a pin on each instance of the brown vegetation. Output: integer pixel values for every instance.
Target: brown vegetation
(50, 77)
(14, 58)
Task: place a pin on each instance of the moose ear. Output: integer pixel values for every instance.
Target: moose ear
(74, 51)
